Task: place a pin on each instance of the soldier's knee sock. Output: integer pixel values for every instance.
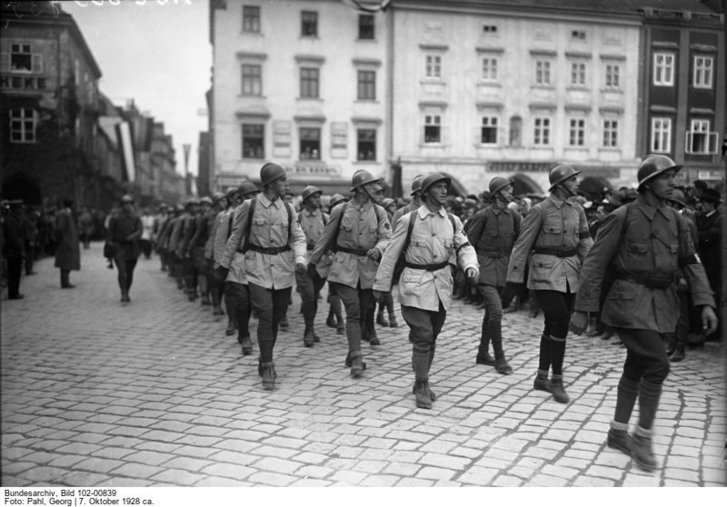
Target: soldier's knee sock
(420, 363)
(649, 394)
(544, 361)
(495, 334)
(353, 334)
(628, 389)
(557, 353)
(266, 350)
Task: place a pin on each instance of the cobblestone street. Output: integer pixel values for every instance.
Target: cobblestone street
(154, 393)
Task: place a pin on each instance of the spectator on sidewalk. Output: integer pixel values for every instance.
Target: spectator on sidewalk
(13, 239)
(147, 230)
(85, 227)
(68, 254)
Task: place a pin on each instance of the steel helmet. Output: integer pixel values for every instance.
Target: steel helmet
(191, 202)
(335, 199)
(560, 173)
(362, 177)
(654, 165)
(271, 172)
(388, 201)
(180, 207)
(127, 198)
(206, 200)
(247, 187)
(231, 192)
(677, 196)
(497, 183)
(416, 184)
(310, 190)
(217, 196)
(431, 179)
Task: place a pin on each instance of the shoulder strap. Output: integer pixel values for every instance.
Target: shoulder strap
(412, 219)
(454, 226)
(250, 213)
(334, 243)
(289, 208)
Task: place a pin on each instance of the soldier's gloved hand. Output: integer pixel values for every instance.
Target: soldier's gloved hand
(511, 290)
(221, 273)
(709, 320)
(300, 268)
(379, 295)
(578, 322)
(374, 254)
(472, 274)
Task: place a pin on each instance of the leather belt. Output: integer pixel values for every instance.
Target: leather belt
(558, 252)
(427, 267)
(273, 250)
(648, 281)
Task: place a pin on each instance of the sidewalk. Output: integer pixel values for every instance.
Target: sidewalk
(154, 393)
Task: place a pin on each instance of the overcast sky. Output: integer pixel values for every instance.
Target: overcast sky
(158, 55)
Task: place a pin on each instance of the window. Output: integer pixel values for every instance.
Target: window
(434, 66)
(310, 143)
(578, 35)
(366, 85)
(21, 59)
(576, 132)
(251, 80)
(578, 74)
(542, 72)
(613, 73)
(366, 144)
(663, 69)
(703, 71)
(541, 132)
(251, 18)
(22, 125)
(432, 129)
(309, 83)
(365, 26)
(488, 133)
(253, 141)
(700, 141)
(489, 28)
(610, 133)
(489, 69)
(309, 24)
(661, 135)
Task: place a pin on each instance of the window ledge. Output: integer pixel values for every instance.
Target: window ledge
(309, 99)
(366, 101)
(577, 88)
(543, 87)
(612, 90)
(609, 149)
(252, 34)
(366, 41)
(309, 37)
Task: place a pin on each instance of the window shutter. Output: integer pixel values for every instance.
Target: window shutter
(37, 64)
(4, 62)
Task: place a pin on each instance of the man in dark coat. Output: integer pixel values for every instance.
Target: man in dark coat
(68, 254)
(13, 240)
(709, 227)
(124, 233)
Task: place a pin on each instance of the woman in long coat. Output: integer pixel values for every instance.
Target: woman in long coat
(68, 254)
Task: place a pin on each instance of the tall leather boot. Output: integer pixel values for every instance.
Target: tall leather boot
(495, 332)
(420, 365)
(483, 354)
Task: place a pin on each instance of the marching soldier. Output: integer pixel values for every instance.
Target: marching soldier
(415, 204)
(189, 273)
(195, 248)
(640, 249)
(556, 231)
(358, 233)
(493, 232)
(267, 233)
(312, 220)
(236, 289)
(213, 286)
(429, 240)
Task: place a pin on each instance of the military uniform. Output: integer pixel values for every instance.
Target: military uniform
(359, 228)
(493, 231)
(552, 244)
(437, 243)
(276, 243)
(189, 269)
(310, 283)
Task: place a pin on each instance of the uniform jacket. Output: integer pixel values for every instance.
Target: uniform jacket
(176, 232)
(647, 242)
(211, 230)
(432, 241)
(493, 231)
(269, 229)
(13, 239)
(552, 224)
(124, 232)
(189, 226)
(361, 228)
(68, 254)
(223, 228)
(710, 244)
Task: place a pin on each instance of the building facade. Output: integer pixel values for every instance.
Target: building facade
(301, 83)
(683, 88)
(49, 88)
